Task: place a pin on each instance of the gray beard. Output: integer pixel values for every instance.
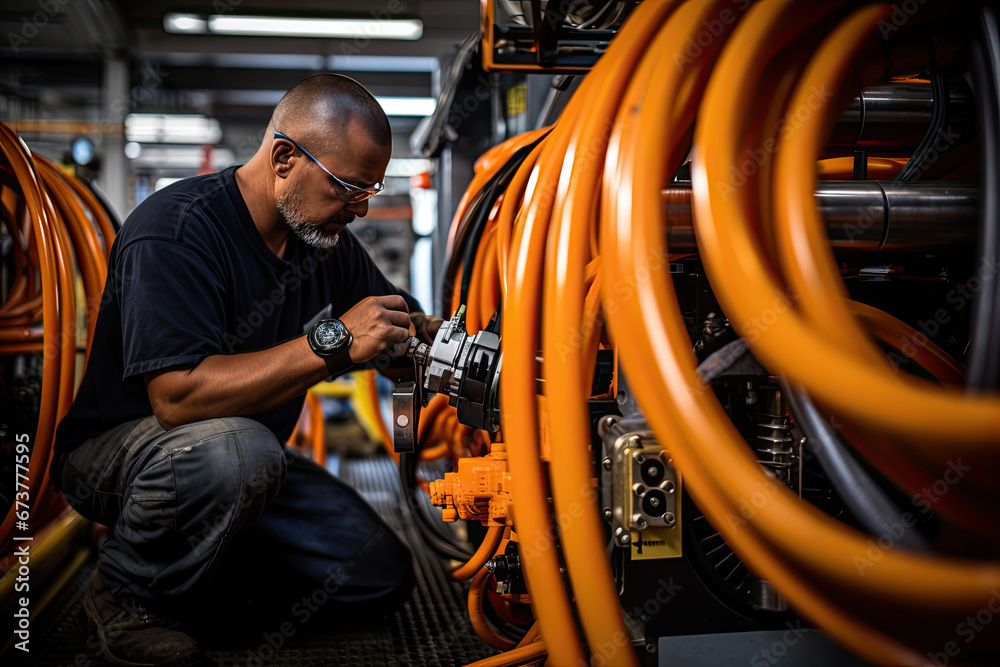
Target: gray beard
(290, 208)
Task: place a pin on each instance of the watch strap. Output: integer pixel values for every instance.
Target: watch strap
(340, 363)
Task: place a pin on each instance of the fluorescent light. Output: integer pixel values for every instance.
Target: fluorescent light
(172, 129)
(427, 64)
(189, 159)
(314, 27)
(422, 273)
(404, 167)
(407, 106)
(164, 182)
(425, 210)
(383, 63)
(185, 23)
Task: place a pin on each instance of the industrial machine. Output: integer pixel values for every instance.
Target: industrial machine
(730, 326)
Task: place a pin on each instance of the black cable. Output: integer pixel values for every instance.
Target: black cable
(435, 131)
(451, 259)
(481, 215)
(939, 118)
(863, 497)
(983, 362)
(472, 224)
(433, 539)
(102, 199)
(722, 360)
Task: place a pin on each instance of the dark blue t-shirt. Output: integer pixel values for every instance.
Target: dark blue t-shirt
(190, 276)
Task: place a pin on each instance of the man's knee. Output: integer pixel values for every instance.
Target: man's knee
(212, 477)
(244, 460)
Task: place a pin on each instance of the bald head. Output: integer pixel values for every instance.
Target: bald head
(320, 109)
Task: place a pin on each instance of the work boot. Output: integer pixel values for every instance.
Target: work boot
(133, 636)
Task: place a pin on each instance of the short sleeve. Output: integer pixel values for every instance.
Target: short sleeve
(172, 306)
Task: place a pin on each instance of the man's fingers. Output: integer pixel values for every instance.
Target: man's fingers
(393, 302)
(399, 318)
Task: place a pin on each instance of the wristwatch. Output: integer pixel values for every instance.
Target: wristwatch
(331, 340)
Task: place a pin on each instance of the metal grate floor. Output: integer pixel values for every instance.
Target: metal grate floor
(432, 628)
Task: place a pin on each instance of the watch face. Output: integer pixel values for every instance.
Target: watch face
(329, 334)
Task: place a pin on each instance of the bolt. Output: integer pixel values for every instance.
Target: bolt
(622, 536)
(650, 648)
(403, 421)
(699, 345)
(607, 514)
(654, 501)
(641, 524)
(634, 441)
(606, 463)
(669, 518)
(499, 567)
(652, 471)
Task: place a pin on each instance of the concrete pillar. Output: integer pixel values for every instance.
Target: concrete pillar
(114, 174)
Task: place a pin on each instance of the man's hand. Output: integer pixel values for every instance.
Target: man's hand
(376, 323)
(426, 326)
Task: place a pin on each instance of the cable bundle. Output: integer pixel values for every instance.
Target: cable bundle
(579, 233)
(57, 227)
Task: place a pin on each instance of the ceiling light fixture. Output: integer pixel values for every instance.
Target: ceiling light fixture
(407, 106)
(172, 129)
(282, 26)
(185, 23)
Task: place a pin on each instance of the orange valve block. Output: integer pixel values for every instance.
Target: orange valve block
(479, 490)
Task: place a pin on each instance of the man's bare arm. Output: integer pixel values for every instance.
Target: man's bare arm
(246, 384)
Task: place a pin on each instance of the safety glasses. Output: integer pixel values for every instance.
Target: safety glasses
(346, 192)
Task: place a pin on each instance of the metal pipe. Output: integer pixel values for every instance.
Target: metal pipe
(868, 216)
(893, 117)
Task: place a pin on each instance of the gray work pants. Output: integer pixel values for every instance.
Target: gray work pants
(225, 495)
